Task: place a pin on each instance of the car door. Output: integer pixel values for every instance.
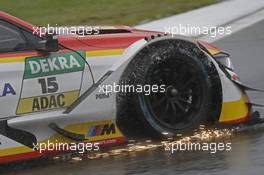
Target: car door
(11, 67)
(33, 81)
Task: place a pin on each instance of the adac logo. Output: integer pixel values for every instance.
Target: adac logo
(7, 90)
(105, 129)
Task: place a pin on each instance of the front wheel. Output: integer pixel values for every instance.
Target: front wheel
(186, 99)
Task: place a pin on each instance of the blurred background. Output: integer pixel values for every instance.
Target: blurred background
(97, 12)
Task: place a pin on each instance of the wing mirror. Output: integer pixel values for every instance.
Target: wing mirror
(49, 44)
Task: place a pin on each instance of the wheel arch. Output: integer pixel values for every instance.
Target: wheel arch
(126, 125)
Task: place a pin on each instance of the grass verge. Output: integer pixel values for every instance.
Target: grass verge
(91, 12)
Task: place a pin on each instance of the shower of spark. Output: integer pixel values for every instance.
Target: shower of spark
(200, 135)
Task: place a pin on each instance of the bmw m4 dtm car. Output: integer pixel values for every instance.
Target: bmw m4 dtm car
(59, 88)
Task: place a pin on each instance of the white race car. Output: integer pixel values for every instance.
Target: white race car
(102, 88)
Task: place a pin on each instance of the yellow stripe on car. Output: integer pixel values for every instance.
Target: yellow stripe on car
(104, 52)
(234, 110)
(93, 53)
(15, 150)
(213, 51)
(12, 59)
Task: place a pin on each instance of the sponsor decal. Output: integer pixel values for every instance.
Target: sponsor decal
(107, 133)
(99, 130)
(51, 82)
(41, 103)
(52, 65)
(103, 95)
(6, 90)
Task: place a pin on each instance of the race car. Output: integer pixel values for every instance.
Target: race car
(108, 85)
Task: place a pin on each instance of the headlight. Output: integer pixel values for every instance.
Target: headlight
(224, 60)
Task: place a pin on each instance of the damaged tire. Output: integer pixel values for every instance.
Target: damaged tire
(186, 100)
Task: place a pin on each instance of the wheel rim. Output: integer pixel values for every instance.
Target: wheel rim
(177, 106)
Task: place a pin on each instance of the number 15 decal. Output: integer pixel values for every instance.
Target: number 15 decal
(51, 86)
(48, 85)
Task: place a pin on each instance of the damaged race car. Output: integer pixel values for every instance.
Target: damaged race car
(109, 85)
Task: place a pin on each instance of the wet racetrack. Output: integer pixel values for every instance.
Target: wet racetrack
(246, 157)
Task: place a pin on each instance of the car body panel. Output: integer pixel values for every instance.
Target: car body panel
(235, 108)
